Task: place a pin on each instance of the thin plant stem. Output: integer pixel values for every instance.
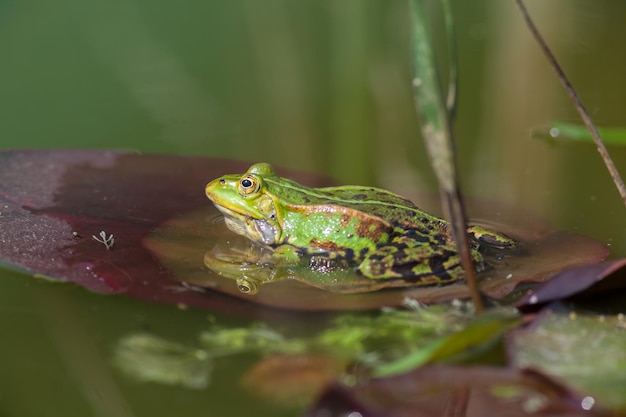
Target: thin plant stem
(578, 104)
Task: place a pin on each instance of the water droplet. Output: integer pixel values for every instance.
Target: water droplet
(587, 403)
(554, 132)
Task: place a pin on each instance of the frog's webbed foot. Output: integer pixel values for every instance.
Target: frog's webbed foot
(422, 265)
(488, 238)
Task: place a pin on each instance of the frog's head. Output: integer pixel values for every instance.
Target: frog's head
(248, 208)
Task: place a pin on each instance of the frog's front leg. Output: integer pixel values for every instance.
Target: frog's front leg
(286, 255)
(424, 264)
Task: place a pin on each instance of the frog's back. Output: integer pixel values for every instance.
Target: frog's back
(389, 206)
(375, 201)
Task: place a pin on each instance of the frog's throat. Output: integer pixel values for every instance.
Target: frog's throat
(257, 230)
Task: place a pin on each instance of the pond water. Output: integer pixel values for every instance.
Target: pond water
(319, 86)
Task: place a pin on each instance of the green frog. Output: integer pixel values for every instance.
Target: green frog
(383, 234)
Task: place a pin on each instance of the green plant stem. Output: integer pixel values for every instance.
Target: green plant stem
(453, 78)
(437, 132)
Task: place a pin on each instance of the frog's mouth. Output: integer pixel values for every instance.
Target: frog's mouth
(257, 230)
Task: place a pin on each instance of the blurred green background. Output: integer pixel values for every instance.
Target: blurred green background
(315, 85)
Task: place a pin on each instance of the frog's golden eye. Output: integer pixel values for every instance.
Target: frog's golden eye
(249, 185)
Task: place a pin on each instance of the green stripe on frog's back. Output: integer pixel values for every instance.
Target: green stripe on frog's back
(378, 202)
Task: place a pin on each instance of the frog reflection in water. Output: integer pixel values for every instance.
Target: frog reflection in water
(383, 234)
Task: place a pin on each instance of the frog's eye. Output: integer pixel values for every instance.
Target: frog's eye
(248, 185)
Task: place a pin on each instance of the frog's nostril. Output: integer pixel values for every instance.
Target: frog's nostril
(222, 181)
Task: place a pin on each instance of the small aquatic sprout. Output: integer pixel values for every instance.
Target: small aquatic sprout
(107, 241)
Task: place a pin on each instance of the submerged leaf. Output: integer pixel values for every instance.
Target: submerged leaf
(363, 340)
(147, 358)
(478, 336)
(292, 380)
(293, 369)
(586, 350)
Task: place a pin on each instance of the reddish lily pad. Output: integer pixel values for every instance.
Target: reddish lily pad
(450, 391)
(53, 204)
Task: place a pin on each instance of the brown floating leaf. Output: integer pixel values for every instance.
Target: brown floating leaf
(157, 228)
(543, 253)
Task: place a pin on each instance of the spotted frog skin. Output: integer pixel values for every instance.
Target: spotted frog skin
(383, 234)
